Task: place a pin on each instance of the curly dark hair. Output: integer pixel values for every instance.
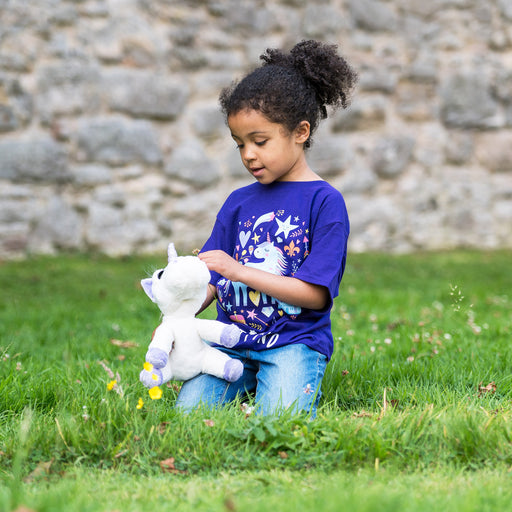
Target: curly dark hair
(292, 87)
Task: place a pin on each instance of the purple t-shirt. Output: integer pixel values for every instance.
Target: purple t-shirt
(297, 229)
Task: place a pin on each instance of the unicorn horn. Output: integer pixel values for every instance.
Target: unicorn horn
(171, 253)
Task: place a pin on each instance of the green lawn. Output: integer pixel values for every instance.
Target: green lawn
(416, 412)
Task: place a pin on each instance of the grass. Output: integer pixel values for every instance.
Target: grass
(416, 412)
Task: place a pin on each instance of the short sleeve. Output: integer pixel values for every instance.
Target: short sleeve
(326, 261)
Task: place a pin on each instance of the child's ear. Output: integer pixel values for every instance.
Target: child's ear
(302, 132)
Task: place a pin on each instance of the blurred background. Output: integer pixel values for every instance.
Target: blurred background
(111, 138)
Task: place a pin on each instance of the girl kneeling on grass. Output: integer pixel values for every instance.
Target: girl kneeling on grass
(278, 248)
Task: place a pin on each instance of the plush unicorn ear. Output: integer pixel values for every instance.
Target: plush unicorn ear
(147, 286)
(171, 253)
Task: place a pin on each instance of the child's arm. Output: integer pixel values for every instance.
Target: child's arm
(286, 289)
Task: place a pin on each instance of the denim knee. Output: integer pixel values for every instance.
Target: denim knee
(290, 377)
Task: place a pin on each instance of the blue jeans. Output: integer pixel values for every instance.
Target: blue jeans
(281, 378)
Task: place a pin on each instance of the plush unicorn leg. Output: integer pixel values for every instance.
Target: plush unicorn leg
(220, 365)
(227, 335)
(212, 361)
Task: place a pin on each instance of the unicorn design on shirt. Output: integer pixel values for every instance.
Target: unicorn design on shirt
(269, 258)
(273, 258)
(273, 262)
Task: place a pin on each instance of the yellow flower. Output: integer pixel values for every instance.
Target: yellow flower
(148, 367)
(155, 393)
(111, 385)
(140, 404)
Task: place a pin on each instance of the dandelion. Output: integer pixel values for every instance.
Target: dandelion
(155, 393)
(140, 403)
(114, 384)
(148, 367)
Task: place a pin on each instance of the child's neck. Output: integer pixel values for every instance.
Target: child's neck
(303, 173)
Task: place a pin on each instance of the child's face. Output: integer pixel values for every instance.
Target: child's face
(268, 151)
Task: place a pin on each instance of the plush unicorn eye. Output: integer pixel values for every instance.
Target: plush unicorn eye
(159, 275)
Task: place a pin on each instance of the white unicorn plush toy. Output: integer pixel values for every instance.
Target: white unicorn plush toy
(178, 350)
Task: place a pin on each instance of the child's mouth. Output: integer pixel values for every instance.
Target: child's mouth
(258, 171)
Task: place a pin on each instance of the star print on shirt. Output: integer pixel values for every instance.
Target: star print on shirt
(285, 227)
(251, 314)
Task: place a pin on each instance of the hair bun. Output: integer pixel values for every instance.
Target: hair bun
(321, 67)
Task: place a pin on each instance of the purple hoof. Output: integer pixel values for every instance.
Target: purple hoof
(230, 336)
(233, 370)
(147, 378)
(157, 357)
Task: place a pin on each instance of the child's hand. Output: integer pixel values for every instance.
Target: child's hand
(221, 262)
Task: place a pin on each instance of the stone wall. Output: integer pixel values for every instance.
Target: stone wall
(111, 138)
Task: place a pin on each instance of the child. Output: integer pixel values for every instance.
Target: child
(278, 248)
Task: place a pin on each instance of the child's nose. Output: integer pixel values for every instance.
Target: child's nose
(248, 154)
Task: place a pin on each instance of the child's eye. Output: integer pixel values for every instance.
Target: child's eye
(261, 143)
(239, 146)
